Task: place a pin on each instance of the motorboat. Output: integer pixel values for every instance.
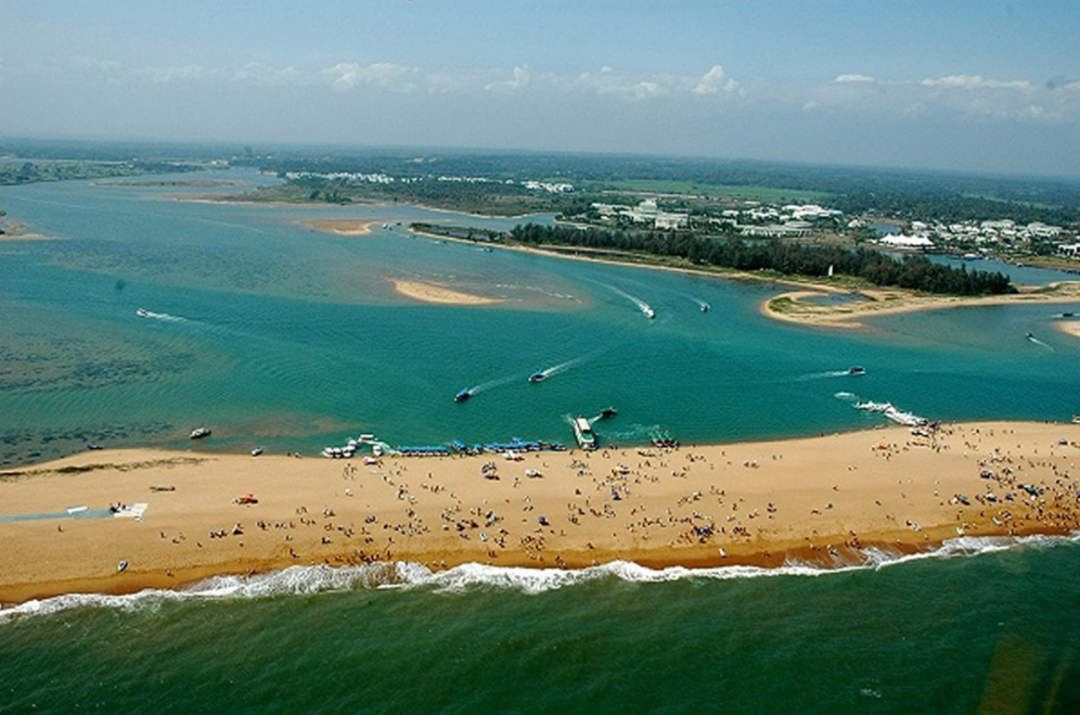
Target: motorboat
(583, 433)
(256, 452)
(705, 307)
(649, 312)
(537, 376)
(200, 432)
(855, 371)
(142, 312)
(463, 395)
(608, 413)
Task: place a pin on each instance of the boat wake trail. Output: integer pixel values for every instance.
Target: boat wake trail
(142, 313)
(822, 375)
(492, 384)
(846, 396)
(633, 433)
(562, 367)
(1032, 339)
(644, 307)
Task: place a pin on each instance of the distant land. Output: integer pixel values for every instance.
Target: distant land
(1017, 219)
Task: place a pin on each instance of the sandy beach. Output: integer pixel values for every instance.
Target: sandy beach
(342, 227)
(431, 293)
(819, 499)
(793, 307)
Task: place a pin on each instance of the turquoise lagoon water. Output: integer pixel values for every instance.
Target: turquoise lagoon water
(276, 335)
(273, 334)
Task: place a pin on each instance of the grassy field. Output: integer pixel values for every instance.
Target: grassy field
(765, 194)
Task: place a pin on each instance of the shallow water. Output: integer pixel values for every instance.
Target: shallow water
(276, 335)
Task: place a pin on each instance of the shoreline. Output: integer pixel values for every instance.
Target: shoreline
(882, 301)
(844, 316)
(822, 501)
(791, 307)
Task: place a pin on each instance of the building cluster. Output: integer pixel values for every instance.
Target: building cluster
(380, 178)
(753, 219)
(646, 213)
(789, 221)
(982, 235)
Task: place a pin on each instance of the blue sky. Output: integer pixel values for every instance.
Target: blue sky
(984, 86)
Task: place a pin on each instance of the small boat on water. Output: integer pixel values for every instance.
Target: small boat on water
(608, 413)
(463, 395)
(537, 376)
(93, 446)
(854, 371)
(583, 433)
(142, 312)
(705, 307)
(200, 432)
(649, 312)
(256, 452)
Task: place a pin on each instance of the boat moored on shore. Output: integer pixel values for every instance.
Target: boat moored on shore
(583, 433)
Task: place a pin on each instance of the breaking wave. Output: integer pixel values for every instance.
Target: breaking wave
(308, 580)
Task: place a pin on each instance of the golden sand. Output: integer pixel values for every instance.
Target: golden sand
(792, 306)
(1070, 327)
(819, 499)
(430, 293)
(341, 227)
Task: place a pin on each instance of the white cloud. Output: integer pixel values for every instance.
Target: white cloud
(715, 80)
(521, 79)
(260, 74)
(974, 81)
(383, 75)
(854, 79)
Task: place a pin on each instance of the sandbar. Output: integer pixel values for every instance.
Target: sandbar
(792, 306)
(431, 293)
(341, 227)
(822, 500)
(1069, 327)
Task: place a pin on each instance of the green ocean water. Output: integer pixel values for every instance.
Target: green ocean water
(278, 336)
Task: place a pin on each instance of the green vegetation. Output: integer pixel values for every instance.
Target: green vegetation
(767, 257)
(763, 194)
(28, 172)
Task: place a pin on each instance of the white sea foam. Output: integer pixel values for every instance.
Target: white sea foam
(308, 580)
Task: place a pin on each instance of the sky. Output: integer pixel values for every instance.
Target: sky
(981, 86)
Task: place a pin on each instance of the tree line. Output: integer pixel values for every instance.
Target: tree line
(910, 272)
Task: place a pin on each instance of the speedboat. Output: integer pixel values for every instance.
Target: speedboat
(93, 446)
(463, 395)
(537, 376)
(705, 307)
(142, 312)
(200, 432)
(608, 413)
(853, 371)
(649, 312)
(256, 452)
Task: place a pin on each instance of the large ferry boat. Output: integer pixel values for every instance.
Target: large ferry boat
(583, 433)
